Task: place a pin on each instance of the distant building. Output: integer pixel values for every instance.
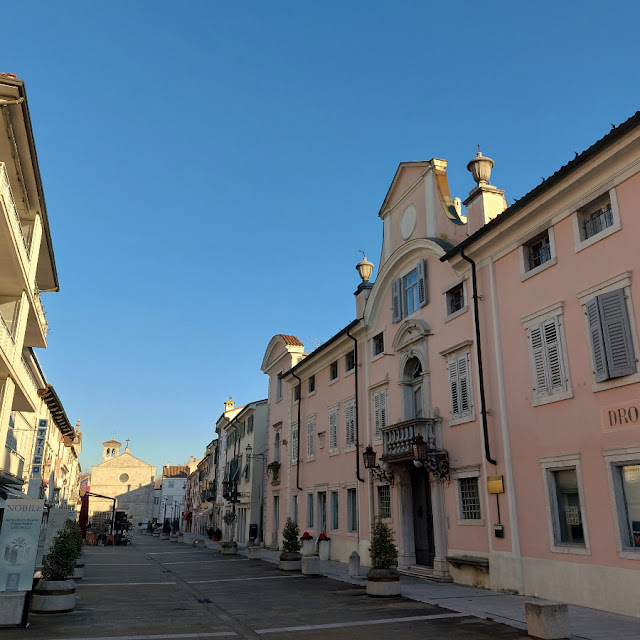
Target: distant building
(127, 479)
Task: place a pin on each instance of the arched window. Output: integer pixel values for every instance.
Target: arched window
(108, 453)
(276, 448)
(414, 400)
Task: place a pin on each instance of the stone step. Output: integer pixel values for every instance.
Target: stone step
(426, 573)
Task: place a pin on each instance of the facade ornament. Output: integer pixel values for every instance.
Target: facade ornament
(480, 168)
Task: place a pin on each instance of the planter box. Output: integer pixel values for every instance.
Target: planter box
(254, 553)
(11, 605)
(164, 536)
(228, 548)
(78, 571)
(173, 537)
(323, 549)
(54, 596)
(311, 566)
(308, 548)
(383, 583)
(290, 561)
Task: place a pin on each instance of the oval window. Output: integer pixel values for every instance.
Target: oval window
(124, 477)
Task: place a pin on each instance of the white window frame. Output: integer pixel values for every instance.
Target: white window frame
(459, 351)
(446, 295)
(376, 356)
(334, 435)
(621, 281)
(380, 416)
(352, 527)
(311, 437)
(525, 271)
(468, 472)
(388, 518)
(562, 463)
(350, 425)
(616, 458)
(588, 206)
(536, 319)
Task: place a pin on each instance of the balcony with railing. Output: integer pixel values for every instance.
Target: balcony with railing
(15, 224)
(13, 462)
(398, 439)
(7, 342)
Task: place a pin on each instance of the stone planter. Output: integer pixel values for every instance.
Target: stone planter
(254, 553)
(78, 571)
(228, 548)
(290, 561)
(11, 606)
(173, 537)
(383, 583)
(307, 547)
(311, 566)
(54, 596)
(157, 533)
(164, 536)
(323, 549)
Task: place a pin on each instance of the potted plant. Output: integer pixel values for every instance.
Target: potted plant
(56, 592)
(323, 546)
(290, 558)
(383, 579)
(75, 534)
(307, 544)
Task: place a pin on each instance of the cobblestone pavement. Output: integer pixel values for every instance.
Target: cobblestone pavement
(161, 590)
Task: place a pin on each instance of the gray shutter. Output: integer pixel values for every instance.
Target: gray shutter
(422, 282)
(617, 333)
(396, 300)
(553, 355)
(597, 342)
(463, 381)
(453, 385)
(537, 352)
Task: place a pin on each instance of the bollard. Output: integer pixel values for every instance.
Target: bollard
(547, 620)
(354, 565)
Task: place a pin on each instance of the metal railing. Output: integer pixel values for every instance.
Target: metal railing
(398, 439)
(6, 194)
(7, 343)
(29, 376)
(598, 221)
(42, 316)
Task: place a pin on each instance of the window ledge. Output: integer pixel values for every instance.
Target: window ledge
(311, 458)
(455, 314)
(466, 523)
(350, 447)
(462, 420)
(629, 554)
(614, 383)
(575, 550)
(538, 269)
(334, 452)
(311, 393)
(605, 233)
(334, 380)
(349, 373)
(352, 534)
(377, 357)
(556, 397)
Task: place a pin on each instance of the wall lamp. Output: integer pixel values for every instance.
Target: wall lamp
(376, 470)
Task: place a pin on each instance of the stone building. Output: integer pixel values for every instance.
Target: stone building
(127, 479)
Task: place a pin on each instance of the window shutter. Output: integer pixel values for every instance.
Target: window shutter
(618, 346)
(396, 300)
(294, 442)
(383, 410)
(333, 429)
(453, 385)
(463, 380)
(311, 428)
(422, 282)
(552, 345)
(597, 341)
(537, 351)
(349, 424)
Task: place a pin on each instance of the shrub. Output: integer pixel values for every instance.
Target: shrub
(75, 535)
(290, 533)
(384, 554)
(60, 561)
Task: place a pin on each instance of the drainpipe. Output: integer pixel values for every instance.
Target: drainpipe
(298, 439)
(357, 425)
(483, 403)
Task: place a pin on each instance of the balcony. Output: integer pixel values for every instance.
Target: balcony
(7, 344)
(13, 464)
(398, 439)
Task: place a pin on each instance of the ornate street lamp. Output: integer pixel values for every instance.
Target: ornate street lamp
(435, 460)
(376, 470)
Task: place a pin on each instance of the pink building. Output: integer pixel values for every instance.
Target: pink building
(525, 394)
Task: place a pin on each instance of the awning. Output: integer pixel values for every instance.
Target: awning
(58, 414)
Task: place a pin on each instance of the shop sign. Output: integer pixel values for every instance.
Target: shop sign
(38, 452)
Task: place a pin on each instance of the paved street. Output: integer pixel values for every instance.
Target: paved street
(158, 589)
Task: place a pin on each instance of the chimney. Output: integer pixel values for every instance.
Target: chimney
(365, 269)
(485, 202)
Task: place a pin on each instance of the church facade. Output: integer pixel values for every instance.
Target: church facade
(127, 479)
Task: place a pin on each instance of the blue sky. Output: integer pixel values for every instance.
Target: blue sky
(211, 170)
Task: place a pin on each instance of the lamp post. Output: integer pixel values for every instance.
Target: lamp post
(376, 470)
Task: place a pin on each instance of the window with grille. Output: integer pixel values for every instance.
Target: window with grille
(334, 511)
(350, 423)
(460, 386)
(380, 412)
(469, 499)
(378, 344)
(352, 510)
(311, 437)
(333, 429)
(384, 501)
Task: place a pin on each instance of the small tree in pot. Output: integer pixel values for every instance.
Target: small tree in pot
(56, 592)
(75, 536)
(290, 558)
(383, 579)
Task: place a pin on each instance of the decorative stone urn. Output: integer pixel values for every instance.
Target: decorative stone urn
(383, 583)
(228, 548)
(290, 561)
(54, 596)
(480, 168)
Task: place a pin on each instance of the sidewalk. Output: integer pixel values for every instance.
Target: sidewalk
(586, 624)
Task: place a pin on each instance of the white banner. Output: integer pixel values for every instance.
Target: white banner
(19, 543)
(57, 519)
